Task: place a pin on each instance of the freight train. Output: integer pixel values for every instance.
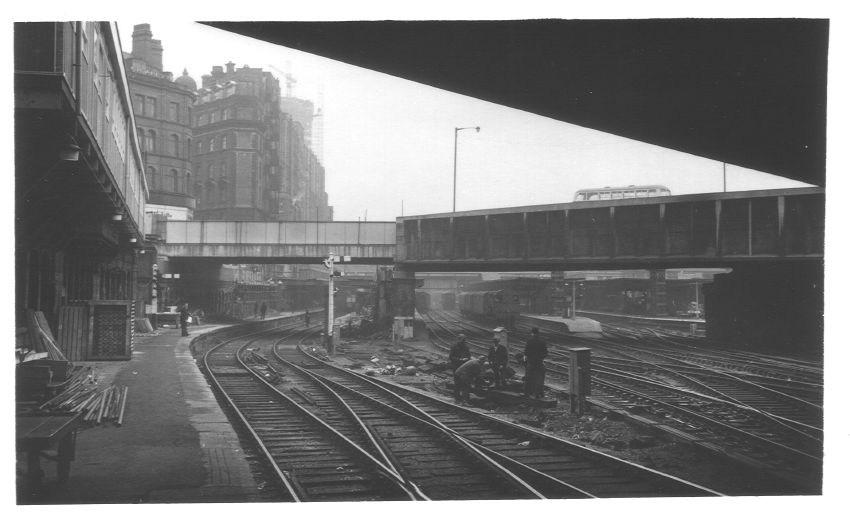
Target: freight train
(500, 307)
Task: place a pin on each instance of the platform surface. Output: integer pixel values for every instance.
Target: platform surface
(175, 446)
(577, 324)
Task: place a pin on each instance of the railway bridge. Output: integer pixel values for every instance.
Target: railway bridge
(772, 239)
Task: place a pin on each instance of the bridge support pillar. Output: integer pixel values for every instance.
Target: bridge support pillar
(769, 308)
(403, 293)
(658, 292)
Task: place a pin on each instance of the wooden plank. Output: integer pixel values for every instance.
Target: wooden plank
(72, 331)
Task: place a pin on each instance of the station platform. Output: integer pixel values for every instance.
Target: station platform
(175, 446)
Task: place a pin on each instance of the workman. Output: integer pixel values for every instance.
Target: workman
(184, 319)
(459, 354)
(535, 372)
(467, 375)
(263, 309)
(498, 358)
(307, 318)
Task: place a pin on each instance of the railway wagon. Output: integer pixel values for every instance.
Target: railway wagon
(447, 300)
(423, 301)
(500, 307)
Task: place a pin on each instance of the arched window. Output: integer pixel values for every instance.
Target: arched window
(174, 145)
(212, 144)
(188, 147)
(150, 141)
(224, 188)
(224, 142)
(140, 134)
(175, 180)
(255, 141)
(187, 185)
(211, 192)
(151, 177)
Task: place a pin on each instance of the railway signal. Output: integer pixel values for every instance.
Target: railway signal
(329, 265)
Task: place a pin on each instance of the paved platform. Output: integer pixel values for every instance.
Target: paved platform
(175, 446)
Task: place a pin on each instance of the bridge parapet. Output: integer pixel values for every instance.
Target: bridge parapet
(715, 229)
(279, 242)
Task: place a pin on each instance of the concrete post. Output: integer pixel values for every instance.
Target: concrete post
(579, 379)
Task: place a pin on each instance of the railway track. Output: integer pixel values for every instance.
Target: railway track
(430, 458)
(312, 460)
(557, 468)
(708, 398)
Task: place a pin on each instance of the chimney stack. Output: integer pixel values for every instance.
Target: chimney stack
(156, 54)
(141, 41)
(230, 67)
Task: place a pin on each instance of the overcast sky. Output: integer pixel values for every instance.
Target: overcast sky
(389, 142)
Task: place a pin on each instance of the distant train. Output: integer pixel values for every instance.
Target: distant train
(501, 307)
(626, 192)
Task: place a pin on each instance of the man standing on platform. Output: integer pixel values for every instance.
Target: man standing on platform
(184, 319)
(535, 372)
(263, 309)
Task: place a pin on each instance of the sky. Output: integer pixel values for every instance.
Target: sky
(389, 143)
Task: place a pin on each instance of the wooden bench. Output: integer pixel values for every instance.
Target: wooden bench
(37, 433)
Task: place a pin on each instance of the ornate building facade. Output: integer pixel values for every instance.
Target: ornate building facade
(235, 155)
(163, 110)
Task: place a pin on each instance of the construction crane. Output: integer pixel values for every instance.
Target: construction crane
(287, 77)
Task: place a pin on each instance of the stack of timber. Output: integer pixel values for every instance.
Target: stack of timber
(98, 405)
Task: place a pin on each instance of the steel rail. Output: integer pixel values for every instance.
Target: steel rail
(396, 490)
(562, 446)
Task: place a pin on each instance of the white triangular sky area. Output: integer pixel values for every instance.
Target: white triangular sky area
(389, 142)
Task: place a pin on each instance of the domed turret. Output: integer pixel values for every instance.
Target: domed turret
(186, 81)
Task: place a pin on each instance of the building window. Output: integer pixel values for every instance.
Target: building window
(141, 136)
(225, 114)
(175, 180)
(173, 111)
(224, 142)
(212, 144)
(150, 107)
(200, 147)
(150, 141)
(213, 117)
(174, 145)
(255, 141)
(140, 104)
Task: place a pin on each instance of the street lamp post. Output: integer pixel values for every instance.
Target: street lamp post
(454, 177)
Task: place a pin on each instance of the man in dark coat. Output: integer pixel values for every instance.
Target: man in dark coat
(535, 372)
(467, 375)
(263, 311)
(498, 358)
(459, 354)
(184, 319)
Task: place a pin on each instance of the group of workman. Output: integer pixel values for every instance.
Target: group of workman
(468, 370)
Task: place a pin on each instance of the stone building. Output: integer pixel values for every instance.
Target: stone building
(235, 152)
(163, 109)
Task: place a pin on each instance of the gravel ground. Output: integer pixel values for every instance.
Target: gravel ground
(597, 429)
